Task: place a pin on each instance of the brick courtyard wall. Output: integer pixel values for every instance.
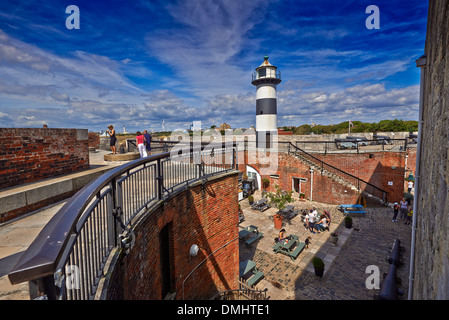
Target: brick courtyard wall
(379, 169)
(385, 170)
(206, 216)
(32, 154)
(94, 140)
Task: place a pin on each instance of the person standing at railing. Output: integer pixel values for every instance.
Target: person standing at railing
(147, 141)
(140, 141)
(113, 140)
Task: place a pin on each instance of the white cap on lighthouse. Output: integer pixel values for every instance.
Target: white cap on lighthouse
(265, 79)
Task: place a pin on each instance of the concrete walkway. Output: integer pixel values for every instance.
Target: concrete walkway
(17, 234)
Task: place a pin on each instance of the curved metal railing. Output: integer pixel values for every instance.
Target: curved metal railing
(68, 257)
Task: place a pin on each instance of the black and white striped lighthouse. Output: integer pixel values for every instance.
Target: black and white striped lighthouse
(265, 78)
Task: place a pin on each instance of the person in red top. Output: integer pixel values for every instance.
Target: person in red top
(140, 139)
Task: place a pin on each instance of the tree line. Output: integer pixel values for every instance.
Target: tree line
(357, 126)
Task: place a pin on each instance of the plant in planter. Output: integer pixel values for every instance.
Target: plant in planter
(279, 199)
(348, 222)
(318, 265)
(334, 238)
(265, 183)
(408, 197)
(251, 199)
(302, 196)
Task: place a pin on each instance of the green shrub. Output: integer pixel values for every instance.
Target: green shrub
(318, 263)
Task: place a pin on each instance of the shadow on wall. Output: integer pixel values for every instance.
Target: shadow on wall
(159, 263)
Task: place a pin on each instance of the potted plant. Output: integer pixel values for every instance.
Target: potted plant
(279, 199)
(408, 197)
(251, 200)
(334, 238)
(318, 265)
(278, 219)
(265, 183)
(348, 222)
(302, 196)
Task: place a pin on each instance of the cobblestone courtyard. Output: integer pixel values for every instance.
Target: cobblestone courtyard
(366, 244)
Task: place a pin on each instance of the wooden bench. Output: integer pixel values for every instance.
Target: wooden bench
(352, 208)
(277, 246)
(255, 278)
(295, 253)
(256, 236)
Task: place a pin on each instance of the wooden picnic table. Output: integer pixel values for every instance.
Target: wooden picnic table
(250, 234)
(288, 212)
(352, 208)
(292, 247)
(261, 205)
(249, 272)
(245, 267)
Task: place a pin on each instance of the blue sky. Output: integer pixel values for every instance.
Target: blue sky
(135, 63)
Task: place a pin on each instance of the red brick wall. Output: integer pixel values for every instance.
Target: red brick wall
(377, 170)
(94, 140)
(31, 154)
(207, 217)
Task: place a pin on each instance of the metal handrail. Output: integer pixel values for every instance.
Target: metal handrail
(87, 228)
(344, 175)
(337, 144)
(255, 293)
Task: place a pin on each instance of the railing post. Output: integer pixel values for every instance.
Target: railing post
(160, 181)
(114, 210)
(42, 287)
(234, 158)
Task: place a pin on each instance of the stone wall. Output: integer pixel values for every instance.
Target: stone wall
(431, 277)
(205, 215)
(32, 154)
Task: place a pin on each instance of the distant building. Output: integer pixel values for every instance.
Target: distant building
(224, 126)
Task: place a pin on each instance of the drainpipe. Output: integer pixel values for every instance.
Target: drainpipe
(311, 184)
(420, 63)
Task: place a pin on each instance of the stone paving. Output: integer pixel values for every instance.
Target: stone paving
(366, 244)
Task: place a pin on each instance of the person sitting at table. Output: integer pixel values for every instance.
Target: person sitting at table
(328, 215)
(282, 235)
(322, 224)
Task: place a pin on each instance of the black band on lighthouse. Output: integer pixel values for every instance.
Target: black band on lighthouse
(266, 106)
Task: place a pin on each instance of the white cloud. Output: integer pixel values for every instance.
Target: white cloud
(204, 52)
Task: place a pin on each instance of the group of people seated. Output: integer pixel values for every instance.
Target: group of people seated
(313, 221)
